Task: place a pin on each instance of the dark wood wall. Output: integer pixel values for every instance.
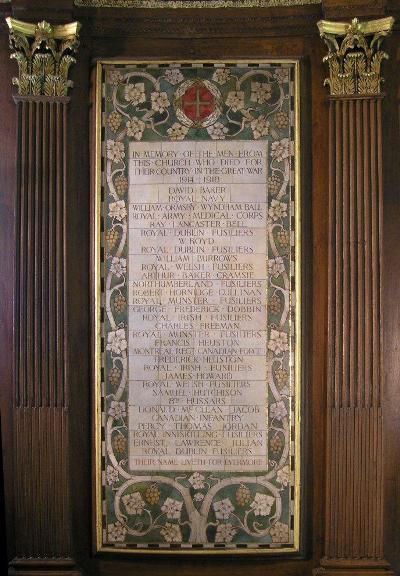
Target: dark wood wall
(205, 34)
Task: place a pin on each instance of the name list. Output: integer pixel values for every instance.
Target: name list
(197, 282)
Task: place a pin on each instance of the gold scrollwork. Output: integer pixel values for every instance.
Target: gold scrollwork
(354, 56)
(44, 54)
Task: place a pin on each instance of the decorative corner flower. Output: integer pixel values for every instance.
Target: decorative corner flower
(278, 342)
(118, 266)
(116, 532)
(277, 210)
(276, 266)
(116, 341)
(281, 75)
(221, 75)
(281, 149)
(173, 75)
(197, 480)
(115, 77)
(135, 93)
(177, 131)
(171, 532)
(134, 503)
(115, 150)
(217, 131)
(159, 101)
(117, 210)
(262, 504)
(283, 476)
(278, 410)
(225, 532)
(172, 508)
(135, 128)
(117, 409)
(111, 475)
(260, 127)
(223, 509)
(260, 92)
(235, 100)
(279, 532)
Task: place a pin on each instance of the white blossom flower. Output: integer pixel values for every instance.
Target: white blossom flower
(278, 410)
(177, 131)
(260, 127)
(281, 75)
(281, 149)
(221, 75)
(260, 92)
(111, 475)
(115, 150)
(197, 480)
(198, 497)
(116, 532)
(283, 476)
(159, 101)
(171, 532)
(135, 94)
(277, 210)
(117, 210)
(172, 508)
(118, 266)
(134, 503)
(135, 128)
(117, 409)
(217, 131)
(235, 100)
(223, 509)
(279, 532)
(278, 342)
(225, 532)
(174, 76)
(115, 77)
(262, 504)
(276, 266)
(116, 341)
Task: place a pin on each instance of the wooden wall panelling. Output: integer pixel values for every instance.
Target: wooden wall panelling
(391, 300)
(158, 35)
(316, 230)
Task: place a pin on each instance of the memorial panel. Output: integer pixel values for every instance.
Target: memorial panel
(198, 364)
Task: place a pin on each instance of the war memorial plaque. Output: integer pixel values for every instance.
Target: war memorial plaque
(198, 395)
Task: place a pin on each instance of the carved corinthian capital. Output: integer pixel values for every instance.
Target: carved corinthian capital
(355, 56)
(44, 54)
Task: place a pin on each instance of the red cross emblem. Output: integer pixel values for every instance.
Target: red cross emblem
(198, 103)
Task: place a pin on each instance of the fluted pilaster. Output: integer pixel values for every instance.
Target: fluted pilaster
(42, 514)
(354, 467)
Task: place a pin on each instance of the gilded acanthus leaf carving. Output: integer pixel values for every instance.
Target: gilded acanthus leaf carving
(44, 54)
(354, 56)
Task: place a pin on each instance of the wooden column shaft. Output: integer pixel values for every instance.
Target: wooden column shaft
(41, 393)
(354, 504)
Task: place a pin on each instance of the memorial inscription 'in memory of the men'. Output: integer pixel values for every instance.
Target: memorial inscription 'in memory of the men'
(199, 321)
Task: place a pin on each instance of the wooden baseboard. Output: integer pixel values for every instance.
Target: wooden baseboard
(43, 567)
(353, 567)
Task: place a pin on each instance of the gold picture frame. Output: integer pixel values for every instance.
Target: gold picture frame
(97, 335)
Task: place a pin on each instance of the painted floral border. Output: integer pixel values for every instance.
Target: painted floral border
(200, 509)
